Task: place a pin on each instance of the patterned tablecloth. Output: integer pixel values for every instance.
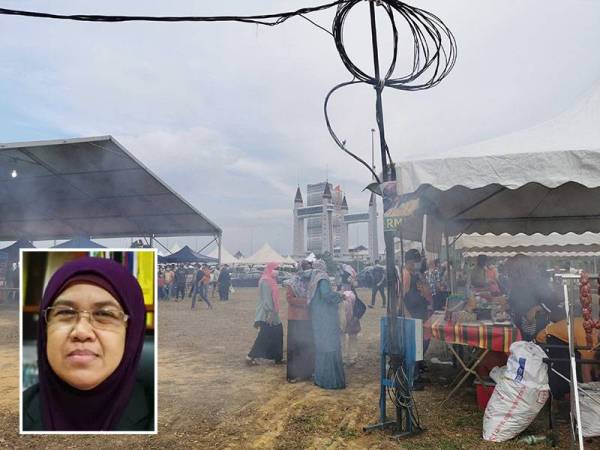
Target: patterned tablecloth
(495, 337)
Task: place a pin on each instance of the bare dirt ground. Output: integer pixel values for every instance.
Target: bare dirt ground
(209, 398)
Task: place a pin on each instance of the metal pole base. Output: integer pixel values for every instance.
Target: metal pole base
(393, 424)
(380, 426)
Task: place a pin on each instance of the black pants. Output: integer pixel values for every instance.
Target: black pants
(374, 290)
(180, 289)
(224, 292)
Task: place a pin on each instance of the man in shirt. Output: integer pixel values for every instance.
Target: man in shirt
(416, 297)
(169, 282)
(378, 276)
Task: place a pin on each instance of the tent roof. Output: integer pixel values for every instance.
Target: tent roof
(516, 193)
(226, 257)
(79, 242)
(186, 255)
(13, 249)
(511, 171)
(90, 187)
(289, 260)
(264, 255)
(574, 129)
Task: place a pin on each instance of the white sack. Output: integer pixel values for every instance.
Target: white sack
(520, 393)
(512, 407)
(525, 365)
(497, 373)
(590, 409)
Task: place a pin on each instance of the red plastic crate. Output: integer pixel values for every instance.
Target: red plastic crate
(483, 392)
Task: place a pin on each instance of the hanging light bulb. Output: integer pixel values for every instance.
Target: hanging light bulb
(14, 173)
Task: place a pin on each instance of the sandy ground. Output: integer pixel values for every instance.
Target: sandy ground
(209, 398)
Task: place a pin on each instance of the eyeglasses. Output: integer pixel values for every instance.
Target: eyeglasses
(103, 318)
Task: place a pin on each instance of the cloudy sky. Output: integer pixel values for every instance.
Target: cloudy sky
(231, 115)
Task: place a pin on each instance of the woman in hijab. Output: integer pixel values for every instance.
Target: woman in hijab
(90, 339)
(300, 342)
(269, 342)
(324, 302)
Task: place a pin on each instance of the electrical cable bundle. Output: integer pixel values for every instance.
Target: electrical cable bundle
(434, 55)
(401, 395)
(259, 19)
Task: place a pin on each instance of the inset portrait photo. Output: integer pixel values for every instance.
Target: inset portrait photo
(88, 341)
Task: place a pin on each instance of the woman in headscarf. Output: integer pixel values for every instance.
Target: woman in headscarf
(324, 302)
(90, 339)
(300, 342)
(269, 342)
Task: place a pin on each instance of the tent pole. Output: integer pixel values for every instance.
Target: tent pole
(576, 428)
(219, 241)
(401, 281)
(450, 271)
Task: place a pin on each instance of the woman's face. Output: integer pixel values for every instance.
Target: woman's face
(81, 354)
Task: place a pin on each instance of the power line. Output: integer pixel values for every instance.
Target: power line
(260, 19)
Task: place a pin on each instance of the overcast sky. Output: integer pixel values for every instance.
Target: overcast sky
(231, 115)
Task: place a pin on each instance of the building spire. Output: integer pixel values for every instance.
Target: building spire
(327, 192)
(344, 204)
(298, 198)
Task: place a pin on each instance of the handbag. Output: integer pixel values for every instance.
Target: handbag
(359, 308)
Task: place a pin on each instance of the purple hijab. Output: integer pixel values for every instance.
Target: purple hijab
(65, 408)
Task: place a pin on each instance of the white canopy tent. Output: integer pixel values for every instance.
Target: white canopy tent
(541, 179)
(226, 257)
(289, 260)
(264, 255)
(516, 193)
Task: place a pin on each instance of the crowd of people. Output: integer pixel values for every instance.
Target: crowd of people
(198, 280)
(323, 314)
(323, 323)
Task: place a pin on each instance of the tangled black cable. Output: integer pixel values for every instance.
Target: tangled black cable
(260, 19)
(401, 395)
(434, 55)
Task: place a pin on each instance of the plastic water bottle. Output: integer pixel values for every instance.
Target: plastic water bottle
(532, 440)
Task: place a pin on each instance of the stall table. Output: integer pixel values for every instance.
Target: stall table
(482, 335)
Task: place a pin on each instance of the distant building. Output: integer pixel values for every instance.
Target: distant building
(327, 220)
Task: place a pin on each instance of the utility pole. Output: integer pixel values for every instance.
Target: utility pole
(388, 175)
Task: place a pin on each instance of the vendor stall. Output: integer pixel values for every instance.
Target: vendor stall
(492, 194)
